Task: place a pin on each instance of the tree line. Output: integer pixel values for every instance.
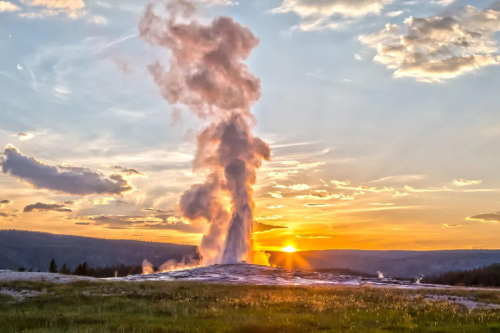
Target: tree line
(488, 276)
(83, 269)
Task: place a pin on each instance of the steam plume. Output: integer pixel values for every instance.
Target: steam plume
(207, 75)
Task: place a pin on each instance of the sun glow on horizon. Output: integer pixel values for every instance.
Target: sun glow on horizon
(289, 249)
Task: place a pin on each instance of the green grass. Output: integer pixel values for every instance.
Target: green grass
(191, 307)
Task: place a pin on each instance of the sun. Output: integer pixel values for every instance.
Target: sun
(289, 249)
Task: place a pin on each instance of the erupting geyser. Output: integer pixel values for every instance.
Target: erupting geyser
(207, 75)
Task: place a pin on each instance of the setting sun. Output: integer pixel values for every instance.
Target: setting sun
(289, 249)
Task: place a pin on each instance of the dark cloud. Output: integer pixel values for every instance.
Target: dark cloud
(129, 171)
(492, 217)
(72, 202)
(4, 203)
(262, 227)
(6, 215)
(312, 205)
(42, 207)
(63, 178)
(156, 210)
(153, 222)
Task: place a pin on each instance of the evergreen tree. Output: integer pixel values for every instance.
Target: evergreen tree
(53, 266)
(82, 269)
(64, 270)
(21, 269)
(85, 269)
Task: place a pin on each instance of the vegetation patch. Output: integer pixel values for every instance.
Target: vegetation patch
(194, 307)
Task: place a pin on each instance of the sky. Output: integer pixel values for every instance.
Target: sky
(382, 118)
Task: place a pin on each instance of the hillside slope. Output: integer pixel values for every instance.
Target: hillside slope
(34, 250)
(400, 264)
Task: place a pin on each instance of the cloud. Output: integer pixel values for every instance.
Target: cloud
(262, 227)
(427, 190)
(6, 6)
(101, 201)
(24, 136)
(153, 222)
(98, 20)
(272, 217)
(276, 195)
(312, 205)
(275, 207)
(395, 14)
(382, 204)
(68, 179)
(156, 210)
(42, 207)
(398, 179)
(282, 174)
(492, 217)
(72, 202)
(320, 196)
(4, 203)
(339, 182)
(302, 165)
(464, 182)
(329, 8)
(71, 8)
(129, 171)
(297, 187)
(312, 237)
(6, 215)
(440, 47)
(446, 225)
(329, 14)
(443, 2)
(366, 189)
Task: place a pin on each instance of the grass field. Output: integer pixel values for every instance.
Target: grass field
(192, 307)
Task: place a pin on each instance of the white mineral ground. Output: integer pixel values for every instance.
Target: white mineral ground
(245, 274)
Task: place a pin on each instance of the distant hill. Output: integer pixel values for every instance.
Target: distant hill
(34, 250)
(398, 264)
(488, 276)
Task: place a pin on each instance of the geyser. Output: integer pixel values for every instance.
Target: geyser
(207, 75)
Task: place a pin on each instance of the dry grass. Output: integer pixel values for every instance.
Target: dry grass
(192, 307)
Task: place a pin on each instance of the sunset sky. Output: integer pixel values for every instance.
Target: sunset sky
(382, 116)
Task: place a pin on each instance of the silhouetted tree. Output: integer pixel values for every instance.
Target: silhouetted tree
(21, 269)
(82, 269)
(64, 270)
(488, 276)
(53, 266)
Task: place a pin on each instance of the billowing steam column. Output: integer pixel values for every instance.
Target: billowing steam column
(207, 76)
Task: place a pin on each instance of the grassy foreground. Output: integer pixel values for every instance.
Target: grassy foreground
(191, 307)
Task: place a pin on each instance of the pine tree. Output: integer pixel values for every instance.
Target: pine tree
(53, 266)
(78, 270)
(85, 269)
(82, 269)
(64, 270)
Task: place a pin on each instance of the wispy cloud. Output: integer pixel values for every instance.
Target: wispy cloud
(6, 6)
(398, 179)
(43, 207)
(464, 182)
(312, 237)
(491, 217)
(276, 194)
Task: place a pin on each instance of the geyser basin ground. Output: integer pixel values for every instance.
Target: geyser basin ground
(262, 275)
(157, 306)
